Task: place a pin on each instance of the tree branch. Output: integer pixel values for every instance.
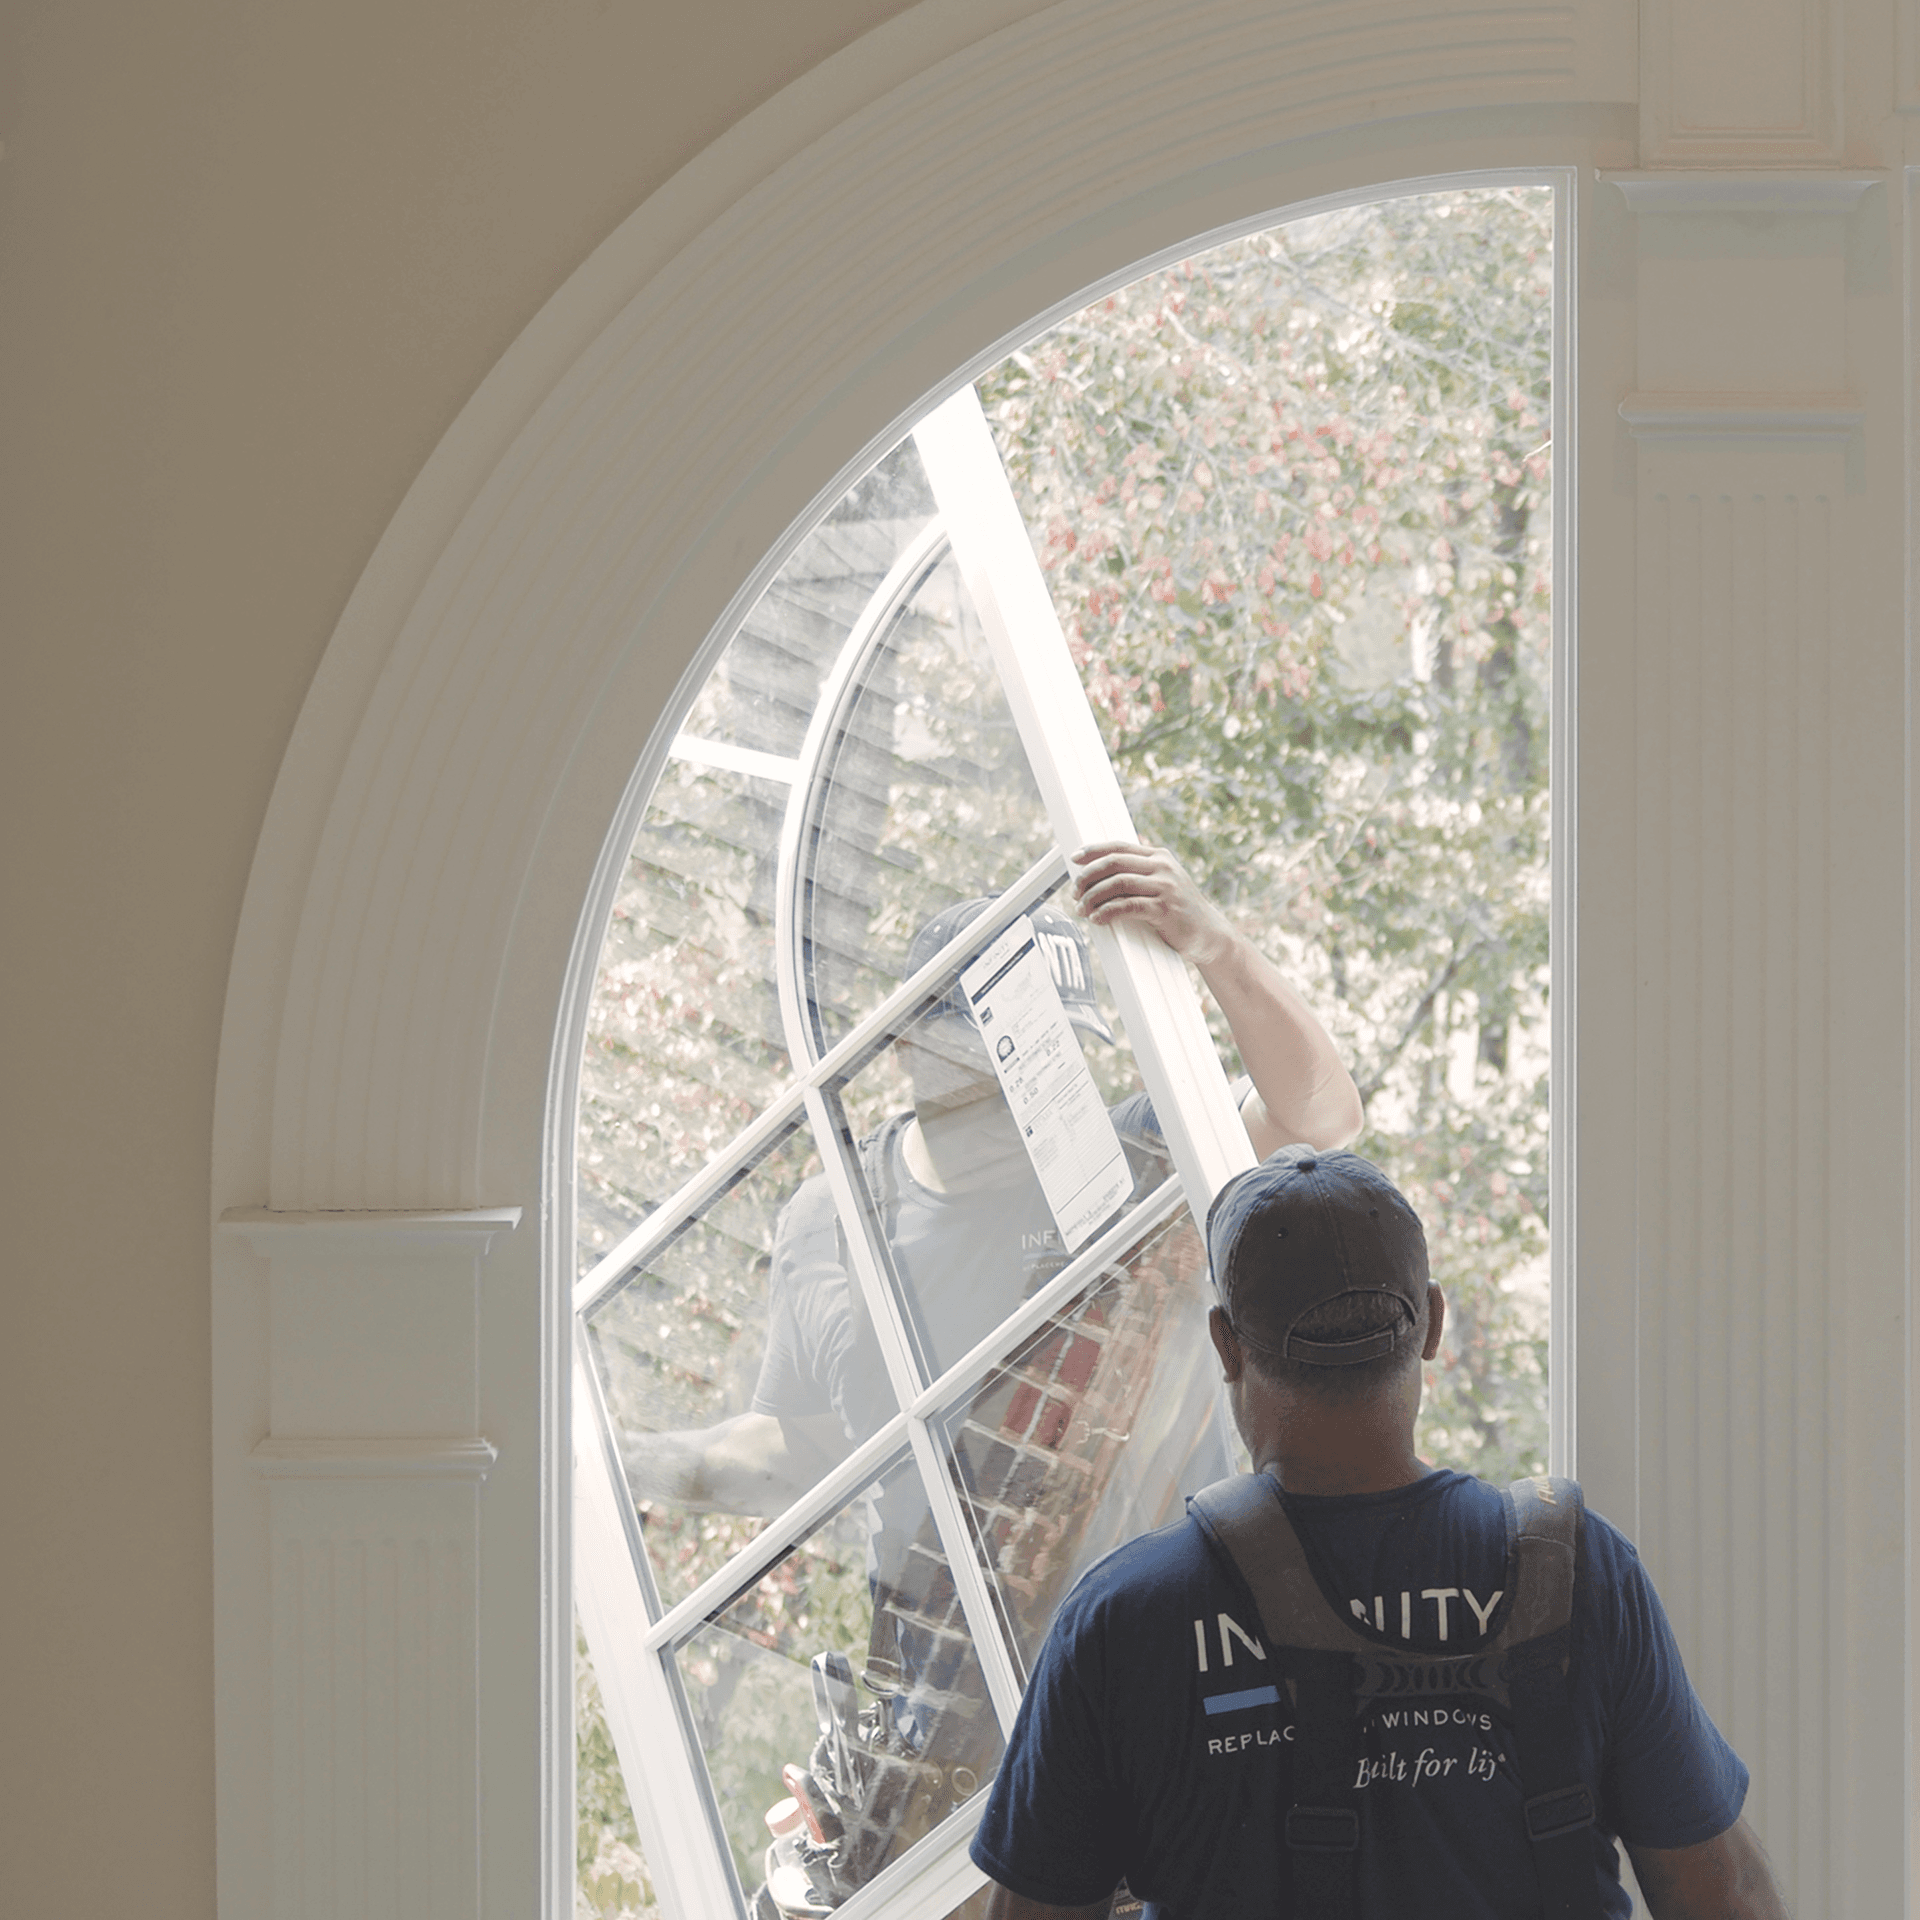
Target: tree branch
(1436, 987)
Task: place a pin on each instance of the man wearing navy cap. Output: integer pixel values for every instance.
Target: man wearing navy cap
(1347, 1683)
(969, 1230)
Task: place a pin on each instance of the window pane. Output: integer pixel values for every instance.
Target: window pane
(695, 1374)
(684, 1042)
(1095, 1429)
(1293, 499)
(763, 691)
(843, 1685)
(969, 1229)
(926, 798)
(684, 1037)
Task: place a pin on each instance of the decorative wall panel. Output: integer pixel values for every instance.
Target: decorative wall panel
(1739, 606)
(1772, 101)
(1906, 55)
(375, 1801)
(373, 1541)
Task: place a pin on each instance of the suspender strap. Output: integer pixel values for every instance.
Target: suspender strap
(1244, 1517)
(1559, 1806)
(1323, 1824)
(1545, 1515)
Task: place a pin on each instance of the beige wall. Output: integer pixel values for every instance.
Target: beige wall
(252, 261)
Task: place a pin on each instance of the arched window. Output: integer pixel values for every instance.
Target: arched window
(1252, 557)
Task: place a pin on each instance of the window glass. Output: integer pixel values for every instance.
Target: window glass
(685, 1041)
(679, 1343)
(968, 1229)
(923, 797)
(763, 692)
(1290, 500)
(1086, 1435)
(685, 1045)
(838, 1701)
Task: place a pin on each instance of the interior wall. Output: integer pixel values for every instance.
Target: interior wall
(251, 267)
(252, 262)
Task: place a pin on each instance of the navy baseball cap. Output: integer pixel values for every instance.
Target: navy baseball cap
(1068, 956)
(1304, 1228)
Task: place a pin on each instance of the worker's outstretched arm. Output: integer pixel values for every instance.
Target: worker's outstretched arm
(1726, 1878)
(754, 1463)
(1302, 1090)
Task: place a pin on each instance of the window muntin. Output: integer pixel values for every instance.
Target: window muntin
(834, 1627)
(911, 790)
(1083, 1436)
(1350, 639)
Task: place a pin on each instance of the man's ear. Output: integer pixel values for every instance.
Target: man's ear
(1226, 1343)
(1436, 1319)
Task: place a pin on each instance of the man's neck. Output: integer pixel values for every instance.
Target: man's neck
(1343, 1477)
(1340, 1450)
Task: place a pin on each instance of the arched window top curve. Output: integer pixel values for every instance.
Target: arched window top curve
(860, 761)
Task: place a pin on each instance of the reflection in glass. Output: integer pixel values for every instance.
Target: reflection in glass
(948, 1176)
(763, 692)
(839, 1704)
(924, 798)
(1094, 1430)
(684, 1348)
(684, 1042)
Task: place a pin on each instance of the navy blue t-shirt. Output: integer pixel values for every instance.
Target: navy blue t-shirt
(1152, 1741)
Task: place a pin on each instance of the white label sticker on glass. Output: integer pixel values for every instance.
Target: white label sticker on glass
(1070, 1139)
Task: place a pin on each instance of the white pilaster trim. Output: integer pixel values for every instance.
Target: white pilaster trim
(369, 1232)
(1743, 190)
(373, 1457)
(1763, 416)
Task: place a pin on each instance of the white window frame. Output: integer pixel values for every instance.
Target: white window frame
(630, 1637)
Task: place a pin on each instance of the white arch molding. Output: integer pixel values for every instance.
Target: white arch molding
(396, 1063)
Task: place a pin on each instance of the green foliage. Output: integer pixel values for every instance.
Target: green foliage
(1291, 499)
(1292, 502)
(610, 1877)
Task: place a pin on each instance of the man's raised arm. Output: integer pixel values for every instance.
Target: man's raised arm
(1302, 1090)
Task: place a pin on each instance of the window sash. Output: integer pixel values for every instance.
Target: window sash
(631, 1635)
